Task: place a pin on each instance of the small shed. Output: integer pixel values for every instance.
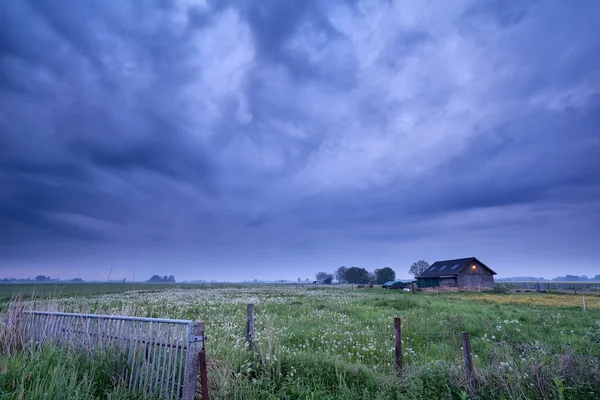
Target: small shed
(327, 281)
(461, 272)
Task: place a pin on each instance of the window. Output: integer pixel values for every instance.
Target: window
(432, 268)
(443, 267)
(456, 266)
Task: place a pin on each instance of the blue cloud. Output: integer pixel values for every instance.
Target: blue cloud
(285, 125)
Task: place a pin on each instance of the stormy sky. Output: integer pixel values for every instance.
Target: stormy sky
(275, 139)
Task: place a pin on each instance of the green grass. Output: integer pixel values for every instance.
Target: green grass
(52, 373)
(64, 289)
(338, 343)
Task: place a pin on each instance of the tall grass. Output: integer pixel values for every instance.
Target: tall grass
(338, 343)
(49, 372)
(45, 371)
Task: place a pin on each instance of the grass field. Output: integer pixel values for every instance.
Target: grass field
(338, 343)
(63, 289)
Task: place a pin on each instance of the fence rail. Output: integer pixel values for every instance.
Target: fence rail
(159, 354)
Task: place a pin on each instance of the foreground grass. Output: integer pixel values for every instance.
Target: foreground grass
(53, 373)
(338, 343)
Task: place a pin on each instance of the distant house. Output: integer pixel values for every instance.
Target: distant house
(327, 281)
(462, 272)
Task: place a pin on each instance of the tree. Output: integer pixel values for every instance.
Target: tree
(42, 278)
(418, 268)
(356, 275)
(340, 273)
(384, 275)
(321, 276)
(159, 279)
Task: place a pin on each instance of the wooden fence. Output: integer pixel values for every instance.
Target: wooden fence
(470, 377)
(163, 357)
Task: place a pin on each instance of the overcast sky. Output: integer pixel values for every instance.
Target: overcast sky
(275, 139)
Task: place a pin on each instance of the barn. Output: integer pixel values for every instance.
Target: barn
(462, 272)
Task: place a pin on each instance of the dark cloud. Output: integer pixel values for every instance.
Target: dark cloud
(503, 13)
(255, 133)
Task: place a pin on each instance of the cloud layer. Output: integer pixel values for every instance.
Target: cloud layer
(230, 139)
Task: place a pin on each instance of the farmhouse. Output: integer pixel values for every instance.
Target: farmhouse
(462, 272)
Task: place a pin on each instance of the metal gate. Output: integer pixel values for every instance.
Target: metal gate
(162, 356)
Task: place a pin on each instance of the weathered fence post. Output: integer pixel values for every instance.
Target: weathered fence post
(203, 368)
(583, 299)
(192, 364)
(469, 373)
(250, 326)
(398, 329)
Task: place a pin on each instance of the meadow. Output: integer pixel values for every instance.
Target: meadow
(338, 343)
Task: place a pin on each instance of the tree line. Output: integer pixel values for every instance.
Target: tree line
(161, 279)
(360, 275)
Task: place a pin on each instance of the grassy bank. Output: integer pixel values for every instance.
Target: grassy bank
(338, 343)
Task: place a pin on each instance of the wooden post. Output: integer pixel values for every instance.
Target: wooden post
(469, 373)
(398, 329)
(412, 287)
(192, 364)
(583, 299)
(203, 368)
(250, 326)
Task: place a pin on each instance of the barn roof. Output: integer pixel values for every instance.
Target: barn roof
(450, 267)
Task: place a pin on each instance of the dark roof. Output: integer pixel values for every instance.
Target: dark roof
(450, 267)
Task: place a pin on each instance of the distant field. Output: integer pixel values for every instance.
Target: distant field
(338, 342)
(54, 290)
